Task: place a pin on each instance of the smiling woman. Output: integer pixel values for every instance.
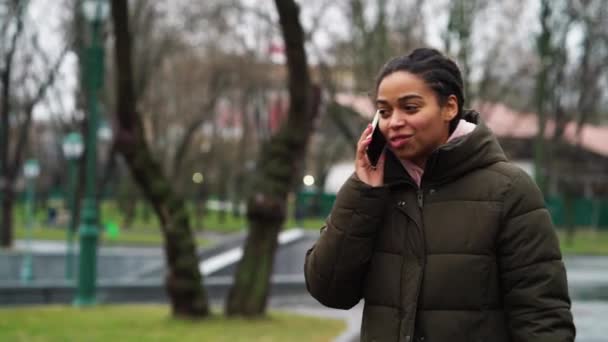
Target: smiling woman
(412, 118)
(444, 239)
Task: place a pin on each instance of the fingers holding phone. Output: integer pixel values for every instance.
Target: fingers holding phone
(369, 164)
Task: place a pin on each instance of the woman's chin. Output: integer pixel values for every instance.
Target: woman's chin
(404, 154)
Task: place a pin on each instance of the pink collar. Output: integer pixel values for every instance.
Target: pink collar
(464, 128)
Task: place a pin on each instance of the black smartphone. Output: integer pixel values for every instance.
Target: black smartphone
(376, 146)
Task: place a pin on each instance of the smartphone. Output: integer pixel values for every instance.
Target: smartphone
(376, 146)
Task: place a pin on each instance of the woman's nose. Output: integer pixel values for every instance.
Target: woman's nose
(396, 120)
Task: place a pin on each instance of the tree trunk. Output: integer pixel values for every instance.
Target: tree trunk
(222, 201)
(7, 215)
(145, 213)
(239, 190)
(248, 296)
(184, 280)
(278, 169)
(237, 193)
(6, 180)
(128, 212)
(570, 217)
(109, 167)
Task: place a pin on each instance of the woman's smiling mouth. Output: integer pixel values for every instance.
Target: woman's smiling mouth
(400, 140)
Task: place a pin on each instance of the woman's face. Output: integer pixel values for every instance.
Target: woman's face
(411, 118)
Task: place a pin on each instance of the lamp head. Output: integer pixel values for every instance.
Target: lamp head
(73, 146)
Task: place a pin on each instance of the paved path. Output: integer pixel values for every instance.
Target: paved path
(589, 317)
(590, 320)
(59, 247)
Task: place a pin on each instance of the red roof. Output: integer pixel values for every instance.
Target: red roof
(508, 123)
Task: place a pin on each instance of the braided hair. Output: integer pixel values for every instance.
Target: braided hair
(439, 72)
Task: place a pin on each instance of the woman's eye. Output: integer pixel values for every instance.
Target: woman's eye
(383, 112)
(410, 108)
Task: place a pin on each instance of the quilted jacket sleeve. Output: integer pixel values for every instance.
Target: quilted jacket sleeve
(534, 284)
(336, 265)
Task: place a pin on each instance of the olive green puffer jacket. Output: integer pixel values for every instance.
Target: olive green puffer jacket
(471, 255)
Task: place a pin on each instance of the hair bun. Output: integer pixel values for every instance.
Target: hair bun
(424, 53)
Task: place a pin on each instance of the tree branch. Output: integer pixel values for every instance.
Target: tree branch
(29, 108)
(316, 21)
(51, 75)
(182, 147)
(5, 106)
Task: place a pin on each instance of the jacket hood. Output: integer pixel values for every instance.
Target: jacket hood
(454, 159)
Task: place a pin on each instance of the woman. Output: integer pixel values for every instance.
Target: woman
(444, 240)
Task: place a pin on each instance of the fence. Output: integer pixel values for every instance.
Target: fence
(590, 212)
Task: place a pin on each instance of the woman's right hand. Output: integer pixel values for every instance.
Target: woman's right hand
(373, 176)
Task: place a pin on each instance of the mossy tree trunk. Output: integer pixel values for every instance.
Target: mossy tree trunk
(184, 280)
(279, 166)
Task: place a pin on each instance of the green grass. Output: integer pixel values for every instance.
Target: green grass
(585, 242)
(146, 229)
(152, 323)
(212, 220)
(145, 220)
(148, 233)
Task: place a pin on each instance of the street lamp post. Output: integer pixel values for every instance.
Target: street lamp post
(72, 150)
(95, 12)
(31, 170)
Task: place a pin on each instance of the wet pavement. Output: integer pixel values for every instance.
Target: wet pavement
(590, 320)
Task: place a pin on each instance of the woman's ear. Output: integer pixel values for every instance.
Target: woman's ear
(450, 109)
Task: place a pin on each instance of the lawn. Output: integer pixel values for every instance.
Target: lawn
(145, 228)
(146, 231)
(152, 323)
(212, 220)
(585, 242)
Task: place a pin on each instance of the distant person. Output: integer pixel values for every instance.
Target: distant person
(445, 240)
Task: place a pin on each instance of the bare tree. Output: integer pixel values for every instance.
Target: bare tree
(23, 88)
(370, 41)
(544, 47)
(408, 25)
(184, 280)
(458, 37)
(214, 72)
(593, 15)
(583, 80)
(278, 168)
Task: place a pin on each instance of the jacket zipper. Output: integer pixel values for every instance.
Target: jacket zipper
(420, 195)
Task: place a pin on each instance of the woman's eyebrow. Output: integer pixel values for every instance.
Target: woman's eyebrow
(409, 97)
(400, 99)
